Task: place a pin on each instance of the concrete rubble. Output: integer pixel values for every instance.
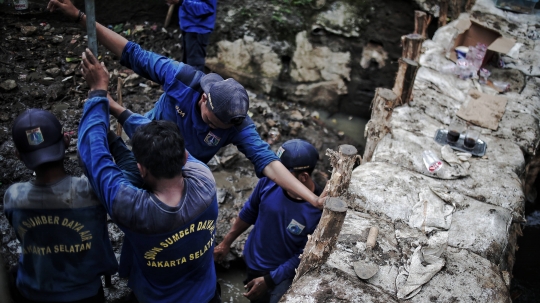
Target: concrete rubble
(449, 236)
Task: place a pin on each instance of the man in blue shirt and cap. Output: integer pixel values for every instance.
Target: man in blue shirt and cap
(211, 112)
(282, 221)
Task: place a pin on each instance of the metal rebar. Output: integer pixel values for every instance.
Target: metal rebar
(91, 26)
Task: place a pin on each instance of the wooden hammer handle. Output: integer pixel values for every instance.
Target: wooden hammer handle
(372, 237)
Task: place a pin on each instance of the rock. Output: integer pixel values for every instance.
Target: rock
(57, 39)
(341, 18)
(270, 122)
(221, 195)
(313, 63)
(69, 72)
(295, 127)
(28, 30)
(132, 80)
(53, 72)
(296, 115)
(229, 155)
(8, 85)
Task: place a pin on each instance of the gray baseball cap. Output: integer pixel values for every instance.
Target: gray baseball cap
(227, 99)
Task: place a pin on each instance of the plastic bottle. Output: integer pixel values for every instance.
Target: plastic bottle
(431, 161)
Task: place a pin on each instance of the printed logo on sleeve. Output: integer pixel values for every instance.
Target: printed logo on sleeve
(280, 151)
(34, 136)
(211, 139)
(295, 228)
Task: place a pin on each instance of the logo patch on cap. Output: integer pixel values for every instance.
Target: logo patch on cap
(211, 139)
(280, 151)
(295, 228)
(34, 136)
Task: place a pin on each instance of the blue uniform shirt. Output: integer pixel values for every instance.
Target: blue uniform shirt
(179, 104)
(167, 251)
(196, 16)
(281, 226)
(65, 245)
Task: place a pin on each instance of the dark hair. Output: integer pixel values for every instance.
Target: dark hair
(159, 146)
(237, 120)
(298, 172)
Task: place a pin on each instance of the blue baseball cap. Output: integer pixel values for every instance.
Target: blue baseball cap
(227, 99)
(38, 137)
(298, 155)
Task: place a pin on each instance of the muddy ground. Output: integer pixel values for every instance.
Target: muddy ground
(39, 58)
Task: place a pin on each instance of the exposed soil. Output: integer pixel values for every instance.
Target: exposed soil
(39, 57)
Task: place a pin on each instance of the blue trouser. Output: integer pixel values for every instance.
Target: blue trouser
(194, 49)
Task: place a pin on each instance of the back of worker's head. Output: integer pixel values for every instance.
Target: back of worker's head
(38, 138)
(159, 147)
(298, 156)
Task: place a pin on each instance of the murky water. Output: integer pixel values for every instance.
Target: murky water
(231, 281)
(352, 126)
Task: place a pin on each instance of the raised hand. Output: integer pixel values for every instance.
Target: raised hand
(95, 73)
(64, 6)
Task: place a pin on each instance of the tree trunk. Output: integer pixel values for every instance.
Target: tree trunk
(443, 13)
(342, 162)
(412, 46)
(403, 86)
(377, 127)
(421, 23)
(324, 238)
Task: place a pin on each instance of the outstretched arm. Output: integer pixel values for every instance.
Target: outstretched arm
(278, 173)
(236, 230)
(111, 40)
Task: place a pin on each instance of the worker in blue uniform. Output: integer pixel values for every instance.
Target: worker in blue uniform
(57, 218)
(211, 112)
(281, 223)
(170, 226)
(197, 19)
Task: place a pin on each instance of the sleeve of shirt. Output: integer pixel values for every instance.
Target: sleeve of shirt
(286, 270)
(98, 165)
(149, 65)
(250, 210)
(198, 8)
(131, 121)
(249, 142)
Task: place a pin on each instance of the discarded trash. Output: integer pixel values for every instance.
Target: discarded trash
(461, 52)
(501, 86)
(431, 161)
(118, 28)
(73, 59)
(484, 75)
(20, 4)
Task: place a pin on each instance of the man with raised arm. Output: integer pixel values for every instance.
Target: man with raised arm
(211, 112)
(169, 228)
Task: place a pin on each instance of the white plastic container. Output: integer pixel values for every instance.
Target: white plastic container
(20, 4)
